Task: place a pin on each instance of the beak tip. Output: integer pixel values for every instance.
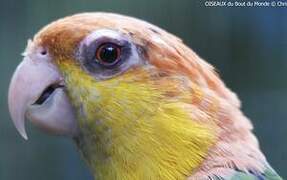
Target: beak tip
(22, 131)
(24, 135)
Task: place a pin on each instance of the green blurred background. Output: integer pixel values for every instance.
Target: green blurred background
(247, 45)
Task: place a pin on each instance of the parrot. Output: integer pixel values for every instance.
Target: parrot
(137, 102)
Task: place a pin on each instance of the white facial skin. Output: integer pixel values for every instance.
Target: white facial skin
(30, 80)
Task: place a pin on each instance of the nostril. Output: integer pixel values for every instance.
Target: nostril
(43, 52)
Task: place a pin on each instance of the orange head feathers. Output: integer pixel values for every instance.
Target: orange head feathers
(162, 49)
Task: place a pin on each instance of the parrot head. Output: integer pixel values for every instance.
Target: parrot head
(136, 100)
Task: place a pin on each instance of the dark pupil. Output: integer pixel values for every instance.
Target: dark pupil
(108, 53)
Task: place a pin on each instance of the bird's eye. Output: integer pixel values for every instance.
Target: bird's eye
(108, 54)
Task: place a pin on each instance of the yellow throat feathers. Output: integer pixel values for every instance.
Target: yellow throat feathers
(132, 130)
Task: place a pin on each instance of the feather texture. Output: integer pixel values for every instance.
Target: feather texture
(171, 118)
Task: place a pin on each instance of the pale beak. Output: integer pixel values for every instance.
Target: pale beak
(37, 92)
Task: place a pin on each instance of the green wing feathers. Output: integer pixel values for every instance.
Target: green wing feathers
(268, 174)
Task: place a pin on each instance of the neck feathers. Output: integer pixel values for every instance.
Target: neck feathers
(167, 145)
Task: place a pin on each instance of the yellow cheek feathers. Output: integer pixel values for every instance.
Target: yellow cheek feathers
(130, 130)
